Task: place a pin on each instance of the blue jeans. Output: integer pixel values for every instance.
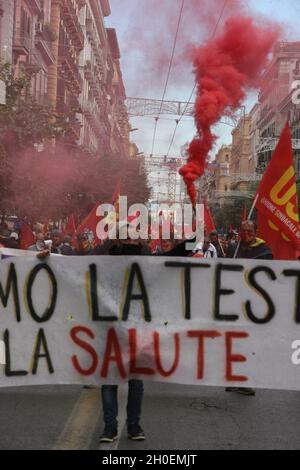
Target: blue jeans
(134, 403)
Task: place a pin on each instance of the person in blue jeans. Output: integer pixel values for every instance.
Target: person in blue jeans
(135, 387)
(134, 409)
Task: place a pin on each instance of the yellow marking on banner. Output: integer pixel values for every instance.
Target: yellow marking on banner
(285, 237)
(289, 175)
(88, 292)
(273, 226)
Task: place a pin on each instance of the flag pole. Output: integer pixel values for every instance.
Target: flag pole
(253, 207)
(248, 218)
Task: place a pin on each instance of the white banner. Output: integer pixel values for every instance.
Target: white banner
(95, 320)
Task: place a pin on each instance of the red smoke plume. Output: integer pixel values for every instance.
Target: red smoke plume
(225, 68)
(147, 42)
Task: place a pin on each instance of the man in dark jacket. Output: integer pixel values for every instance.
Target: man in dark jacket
(250, 247)
(66, 246)
(214, 240)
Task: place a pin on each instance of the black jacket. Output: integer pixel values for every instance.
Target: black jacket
(130, 250)
(257, 250)
(180, 250)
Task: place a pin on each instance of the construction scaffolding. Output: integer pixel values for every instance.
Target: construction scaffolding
(163, 171)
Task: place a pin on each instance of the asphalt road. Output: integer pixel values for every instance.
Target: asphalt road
(175, 417)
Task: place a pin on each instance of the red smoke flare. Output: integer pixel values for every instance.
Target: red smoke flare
(225, 68)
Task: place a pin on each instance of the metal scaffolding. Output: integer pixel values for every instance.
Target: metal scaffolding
(169, 166)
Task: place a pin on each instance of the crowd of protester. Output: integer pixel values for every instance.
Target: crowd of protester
(56, 241)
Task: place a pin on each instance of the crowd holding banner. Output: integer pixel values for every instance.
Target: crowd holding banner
(190, 315)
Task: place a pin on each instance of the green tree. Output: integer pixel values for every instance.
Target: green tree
(58, 180)
(23, 121)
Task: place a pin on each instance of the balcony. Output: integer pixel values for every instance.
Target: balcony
(90, 31)
(89, 71)
(237, 178)
(232, 194)
(93, 38)
(69, 71)
(21, 42)
(107, 124)
(91, 74)
(42, 41)
(75, 129)
(35, 6)
(92, 115)
(70, 19)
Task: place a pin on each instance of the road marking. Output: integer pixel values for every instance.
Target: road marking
(80, 426)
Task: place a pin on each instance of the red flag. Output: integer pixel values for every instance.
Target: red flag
(89, 226)
(208, 220)
(70, 227)
(27, 236)
(277, 202)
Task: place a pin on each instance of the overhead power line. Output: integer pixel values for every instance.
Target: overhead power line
(195, 85)
(169, 73)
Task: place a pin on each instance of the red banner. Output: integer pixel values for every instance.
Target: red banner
(277, 202)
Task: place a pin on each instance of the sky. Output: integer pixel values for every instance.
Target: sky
(146, 32)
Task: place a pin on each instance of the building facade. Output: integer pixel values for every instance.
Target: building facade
(222, 179)
(120, 122)
(6, 29)
(240, 154)
(276, 102)
(254, 137)
(97, 72)
(74, 61)
(86, 77)
(32, 40)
